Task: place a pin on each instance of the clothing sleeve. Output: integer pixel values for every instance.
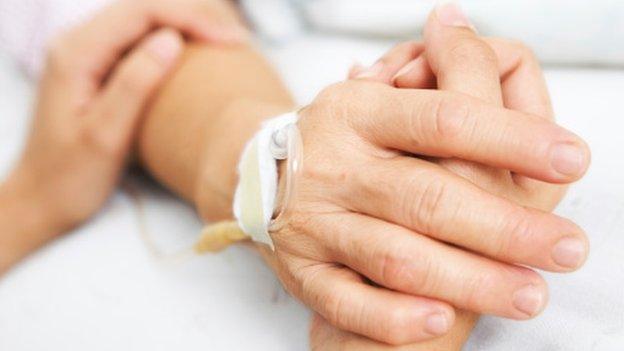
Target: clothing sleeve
(27, 26)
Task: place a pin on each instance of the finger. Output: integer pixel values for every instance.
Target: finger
(402, 260)
(97, 44)
(524, 89)
(324, 337)
(388, 65)
(460, 60)
(523, 83)
(342, 298)
(415, 75)
(430, 200)
(118, 109)
(445, 124)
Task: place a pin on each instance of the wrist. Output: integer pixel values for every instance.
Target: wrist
(25, 219)
(25, 223)
(217, 179)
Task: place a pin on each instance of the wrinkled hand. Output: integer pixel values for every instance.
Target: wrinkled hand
(98, 78)
(370, 209)
(499, 71)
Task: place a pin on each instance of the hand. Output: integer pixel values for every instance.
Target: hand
(462, 63)
(99, 77)
(463, 58)
(369, 209)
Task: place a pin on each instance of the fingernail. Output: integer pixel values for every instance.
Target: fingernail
(568, 159)
(569, 252)
(370, 72)
(165, 45)
(451, 14)
(405, 70)
(437, 324)
(529, 300)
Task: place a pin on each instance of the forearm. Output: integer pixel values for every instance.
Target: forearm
(25, 223)
(197, 126)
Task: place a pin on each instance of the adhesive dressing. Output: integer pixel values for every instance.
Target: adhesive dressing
(255, 198)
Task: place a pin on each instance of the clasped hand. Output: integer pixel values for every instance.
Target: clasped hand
(415, 201)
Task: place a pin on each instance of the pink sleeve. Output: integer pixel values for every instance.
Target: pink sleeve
(26, 27)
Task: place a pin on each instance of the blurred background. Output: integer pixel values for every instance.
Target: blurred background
(101, 288)
(573, 32)
(562, 32)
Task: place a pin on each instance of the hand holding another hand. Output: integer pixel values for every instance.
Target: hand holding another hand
(98, 79)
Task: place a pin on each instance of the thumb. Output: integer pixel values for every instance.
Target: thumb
(119, 107)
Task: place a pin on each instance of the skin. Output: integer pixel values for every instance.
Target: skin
(368, 210)
(97, 81)
(356, 133)
(521, 87)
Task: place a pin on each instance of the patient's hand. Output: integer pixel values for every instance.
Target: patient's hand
(500, 72)
(99, 77)
(378, 203)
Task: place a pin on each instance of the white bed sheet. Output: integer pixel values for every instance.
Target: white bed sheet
(99, 288)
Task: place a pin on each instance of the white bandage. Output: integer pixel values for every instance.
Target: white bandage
(254, 199)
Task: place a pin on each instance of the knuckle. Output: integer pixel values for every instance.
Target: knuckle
(297, 223)
(522, 48)
(473, 51)
(395, 326)
(393, 267)
(450, 114)
(294, 277)
(299, 234)
(346, 94)
(404, 270)
(334, 305)
(351, 103)
(330, 104)
(437, 120)
(516, 234)
(304, 282)
(427, 203)
(476, 291)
